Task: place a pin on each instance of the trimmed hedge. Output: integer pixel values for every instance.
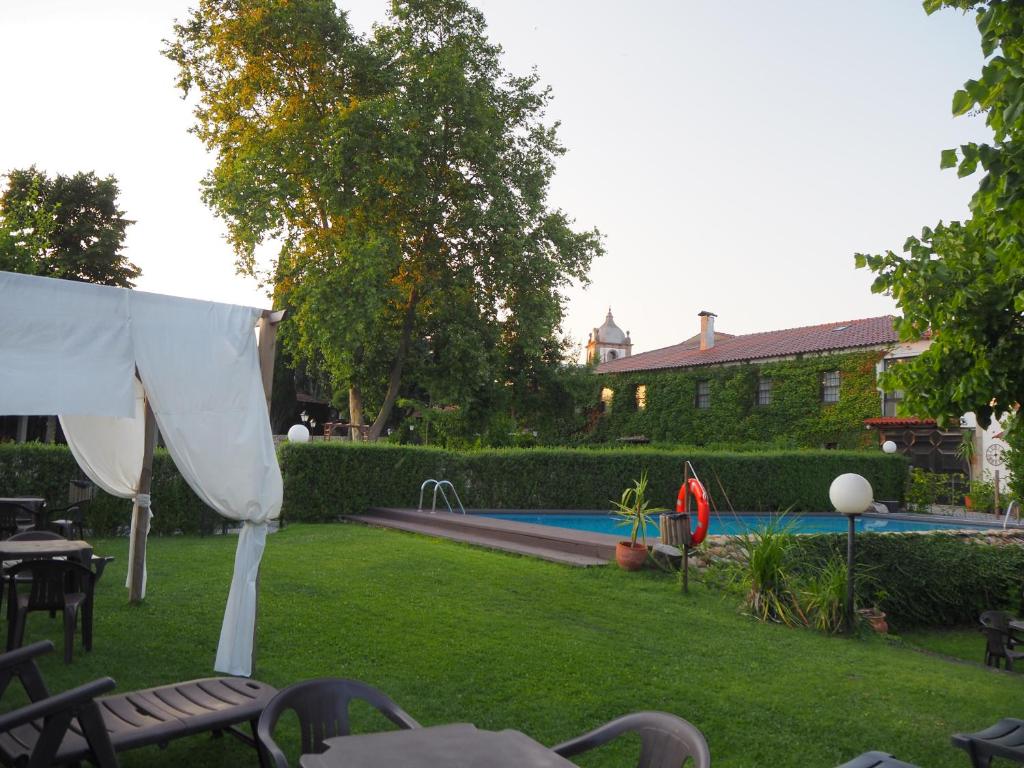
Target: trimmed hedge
(933, 580)
(327, 479)
(37, 469)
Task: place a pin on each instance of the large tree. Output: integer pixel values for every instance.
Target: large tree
(405, 180)
(68, 227)
(963, 282)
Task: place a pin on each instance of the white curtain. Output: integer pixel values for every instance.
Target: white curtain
(109, 451)
(73, 348)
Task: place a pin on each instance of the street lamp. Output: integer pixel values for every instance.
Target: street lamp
(850, 494)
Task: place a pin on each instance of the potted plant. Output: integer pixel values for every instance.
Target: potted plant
(634, 510)
(876, 618)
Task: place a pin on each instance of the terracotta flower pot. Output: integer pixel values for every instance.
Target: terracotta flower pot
(968, 502)
(629, 556)
(876, 619)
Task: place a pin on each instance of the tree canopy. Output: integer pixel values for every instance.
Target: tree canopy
(68, 227)
(963, 282)
(403, 178)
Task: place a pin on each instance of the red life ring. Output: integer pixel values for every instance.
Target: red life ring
(703, 514)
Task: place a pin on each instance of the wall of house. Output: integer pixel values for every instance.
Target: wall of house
(795, 417)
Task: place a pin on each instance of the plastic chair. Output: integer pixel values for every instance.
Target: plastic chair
(999, 641)
(322, 707)
(876, 760)
(54, 585)
(35, 536)
(14, 518)
(1004, 739)
(665, 740)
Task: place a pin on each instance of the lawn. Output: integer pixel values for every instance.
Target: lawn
(455, 633)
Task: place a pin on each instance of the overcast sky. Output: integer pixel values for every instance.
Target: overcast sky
(735, 155)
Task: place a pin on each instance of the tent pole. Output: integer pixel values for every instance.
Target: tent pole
(140, 516)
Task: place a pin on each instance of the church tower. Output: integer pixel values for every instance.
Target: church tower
(608, 342)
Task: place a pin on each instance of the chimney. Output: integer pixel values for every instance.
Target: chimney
(707, 329)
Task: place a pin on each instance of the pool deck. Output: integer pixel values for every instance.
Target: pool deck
(560, 545)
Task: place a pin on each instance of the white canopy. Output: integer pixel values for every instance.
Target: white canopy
(74, 349)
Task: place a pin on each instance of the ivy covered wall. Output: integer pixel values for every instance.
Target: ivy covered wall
(796, 415)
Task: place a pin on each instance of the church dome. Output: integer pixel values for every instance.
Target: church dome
(610, 333)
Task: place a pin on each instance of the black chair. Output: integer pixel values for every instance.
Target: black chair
(876, 760)
(999, 641)
(15, 518)
(1004, 739)
(322, 707)
(665, 740)
(52, 585)
(35, 535)
(99, 564)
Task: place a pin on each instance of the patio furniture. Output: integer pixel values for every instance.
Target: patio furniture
(53, 585)
(80, 725)
(876, 760)
(69, 519)
(1005, 739)
(74, 549)
(15, 517)
(664, 740)
(322, 707)
(459, 744)
(999, 641)
(35, 535)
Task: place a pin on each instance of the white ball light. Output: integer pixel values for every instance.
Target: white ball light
(850, 494)
(298, 434)
(888, 447)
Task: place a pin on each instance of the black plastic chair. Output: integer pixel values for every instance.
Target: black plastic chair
(666, 741)
(876, 760)
(1004, 739)
(999, 641)
(69, 520)
(35, 535)
(322, 707)
(52, 585)
(15, 518)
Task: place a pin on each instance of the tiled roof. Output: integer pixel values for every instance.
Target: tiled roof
(898, 421)
(830, 337)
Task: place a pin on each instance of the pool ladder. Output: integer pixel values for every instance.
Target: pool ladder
(439, 485)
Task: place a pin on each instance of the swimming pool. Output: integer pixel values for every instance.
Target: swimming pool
(731, 525)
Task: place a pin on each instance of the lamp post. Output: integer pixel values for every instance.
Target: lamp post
(298, 433)
(850, 494)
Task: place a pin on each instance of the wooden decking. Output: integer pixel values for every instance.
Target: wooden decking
(560, 545)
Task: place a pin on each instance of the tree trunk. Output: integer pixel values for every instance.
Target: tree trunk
(395, 378)
(355, 412)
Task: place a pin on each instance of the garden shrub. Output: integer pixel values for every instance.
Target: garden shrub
(327, 479)
(933, 580)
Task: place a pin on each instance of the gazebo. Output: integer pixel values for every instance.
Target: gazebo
(118, 364)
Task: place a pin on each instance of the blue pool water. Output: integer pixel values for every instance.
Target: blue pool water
(737, 524)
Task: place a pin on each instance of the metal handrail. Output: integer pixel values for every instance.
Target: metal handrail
(439, 485)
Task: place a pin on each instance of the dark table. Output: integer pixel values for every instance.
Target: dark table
(36, 505)
(21, 550)
(458, 745)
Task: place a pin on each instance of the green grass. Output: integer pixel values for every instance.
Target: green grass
(962, 643)
(455, 633)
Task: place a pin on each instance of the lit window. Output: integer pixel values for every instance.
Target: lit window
(641, 396)
(764, 391)
(703, 394)
(830, 387)
(607, 395)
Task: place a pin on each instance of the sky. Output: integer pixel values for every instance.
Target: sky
(734, 155)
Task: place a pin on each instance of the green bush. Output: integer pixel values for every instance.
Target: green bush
(933, 580)
(36, 469)
(327, 479)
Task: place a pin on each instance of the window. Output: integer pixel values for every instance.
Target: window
(610, 355)
(891, 400)
(830, 387)
(703, 399)
(607, 395)
(764, 391)
(641, 397)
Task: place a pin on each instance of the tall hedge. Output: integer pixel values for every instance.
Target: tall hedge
(323, 480)
(37, 469)
(933, 580)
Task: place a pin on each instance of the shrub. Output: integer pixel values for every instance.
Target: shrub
(933, 580)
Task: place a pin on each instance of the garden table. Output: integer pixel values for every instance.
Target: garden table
(21, 550)
(458, 744)
(34, 504)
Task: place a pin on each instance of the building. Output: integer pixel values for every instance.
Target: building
(608, 342)
(814, 386)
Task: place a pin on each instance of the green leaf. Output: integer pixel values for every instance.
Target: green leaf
(948, 159)
(962, 102)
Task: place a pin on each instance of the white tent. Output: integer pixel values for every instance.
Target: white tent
(110, 362)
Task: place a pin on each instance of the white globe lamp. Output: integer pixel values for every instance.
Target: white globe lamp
(850, 494)
(298, 434)
(888, 447)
